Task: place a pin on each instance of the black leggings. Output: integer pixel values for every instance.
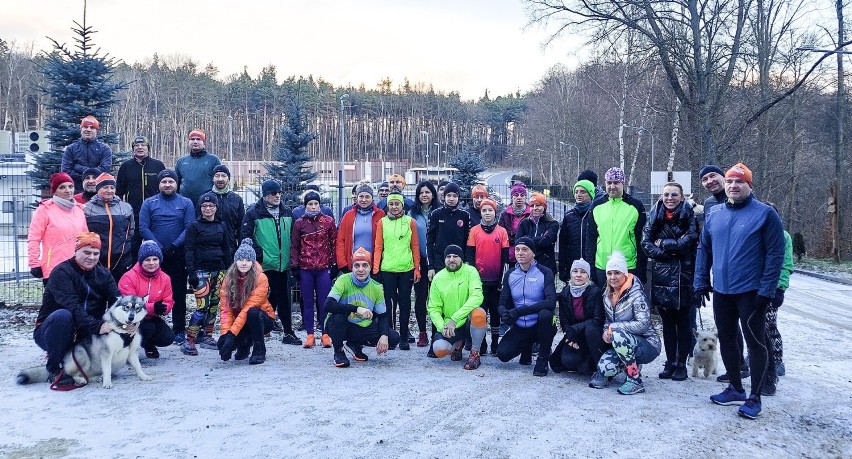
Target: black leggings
(155, 332)
(397, 287)
(491, 301)
(175, 267)
(677, 333)
(730, 311)
(518, 339)
(421, 293)
(279, 297)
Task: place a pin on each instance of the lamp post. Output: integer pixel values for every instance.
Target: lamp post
(231, 141)
(642, 128)
(342, 158)
(427, 150)
(438, 154)
(578, 154)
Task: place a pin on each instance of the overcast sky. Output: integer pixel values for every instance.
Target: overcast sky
(463, 45)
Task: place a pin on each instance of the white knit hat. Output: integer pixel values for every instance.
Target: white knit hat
(616, 262)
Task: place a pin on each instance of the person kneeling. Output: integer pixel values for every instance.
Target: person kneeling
(581, 316)
(527, 303)
(245, 313)
(146, 279)
(357, 313)
(455, 296)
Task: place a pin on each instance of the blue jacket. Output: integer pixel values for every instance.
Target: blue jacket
(164, 219)
(744, 245)
(82, 155)
(195, 174)
(529, 292)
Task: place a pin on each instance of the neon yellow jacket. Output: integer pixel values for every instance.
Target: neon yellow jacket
(454, 295)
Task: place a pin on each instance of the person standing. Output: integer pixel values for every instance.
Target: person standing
(112, 219)
(527, 306)
(542, 229)
(427, 201)
(396, 256)
(454, 307)
(87, 152)
(269, 223)
(312, 258)
(90, 182)
(163, 219)
(743, 244)
(513, 215)
(230, 209)
(617, 222)
(136, 180)
(448, 225)
(357, 227)
(55, 224)
(575, 225)
(488, 252)
(396, 184)
(478, 194)
(195, 170)
(670, 239)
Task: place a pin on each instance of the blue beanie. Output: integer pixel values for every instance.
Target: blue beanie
(708, 169)
(149, 249)
(270, 186)
(246, 251)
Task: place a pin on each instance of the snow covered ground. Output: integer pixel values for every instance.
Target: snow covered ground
(406, 405)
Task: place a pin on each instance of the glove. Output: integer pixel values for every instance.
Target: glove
(159, 308)
(226, 346)
(295, 273)
(563, 276)
(193, 279)
(334, 272)
(507, 319)
(570, 335)
(377, 277)
(37, 272)
(169, 251)
(701, 296)
(761, 301)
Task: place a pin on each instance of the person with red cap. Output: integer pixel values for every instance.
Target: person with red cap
(86, 152)
(357, 313)
(112, 219)
(396, 184)
(75, 299)
(478, 194)
(195, 170)
(743, 245)
(55, 223)
(543, 229)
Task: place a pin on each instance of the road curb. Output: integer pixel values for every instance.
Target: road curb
(824, 277)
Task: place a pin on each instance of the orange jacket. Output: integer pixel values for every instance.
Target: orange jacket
(232, 318)
(345, 235)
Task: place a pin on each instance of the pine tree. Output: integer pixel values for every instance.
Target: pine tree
(292, 156)
(78, 82)
(470, 164)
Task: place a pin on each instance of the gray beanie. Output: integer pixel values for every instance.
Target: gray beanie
(246, 251)
(582, 264)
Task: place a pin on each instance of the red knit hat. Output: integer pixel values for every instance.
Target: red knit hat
(538, 198)
(88, 239)
(198, 133)
(362, 255)
(90, 121)
(479, 190)
(489, 202)
(58, 179)
(740, 170)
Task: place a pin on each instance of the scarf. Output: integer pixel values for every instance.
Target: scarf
(64, 203)
(225, 190)
(518, 212)
(583, 208)
(311, 214)
(535, 219)
(488, 228)
(358, 283)
(577, 290)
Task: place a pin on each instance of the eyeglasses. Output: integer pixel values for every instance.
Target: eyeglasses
(208, 206)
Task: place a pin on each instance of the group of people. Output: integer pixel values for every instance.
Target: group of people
(151, 231)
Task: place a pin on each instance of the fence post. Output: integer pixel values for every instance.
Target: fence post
(15, 239)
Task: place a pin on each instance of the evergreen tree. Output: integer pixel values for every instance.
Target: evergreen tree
(292, 156)
(470, 164)
(78, 82)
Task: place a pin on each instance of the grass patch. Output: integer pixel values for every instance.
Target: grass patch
(824, 265)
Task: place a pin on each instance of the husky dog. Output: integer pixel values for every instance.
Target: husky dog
(705, 353)
(102, 354)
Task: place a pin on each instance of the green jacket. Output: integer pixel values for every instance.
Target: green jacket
(454, 295)
(617, 225)
(271, 236)
(787, 269)
(394, 241)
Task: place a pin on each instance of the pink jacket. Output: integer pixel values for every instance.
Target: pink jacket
(158, 288)
(52, 234)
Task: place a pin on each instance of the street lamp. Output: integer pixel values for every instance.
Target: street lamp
(231, 140)
(643, 128)
(427, 150)
(437, 154)
(578, 154)
(342, 157)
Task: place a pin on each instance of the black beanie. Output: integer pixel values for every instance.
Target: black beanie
(312, 196)
(589, 175)
(453, 249)
(452, 188)
(527, 241)
(710, 168)
(167, 173)
(222, 168)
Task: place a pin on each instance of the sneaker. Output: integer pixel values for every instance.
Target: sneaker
(310, 341)
(472, 361)
(745, 373)
(751, 408)
(422, 340)
(729, 396)
(668, 370)
(456, 356)
(483, 348)
(494, 345)
(152, 352)
(277, 327)
(291, 338)
(620, 378)
(770, 385)
(340, 359)
(188, 348)
(242, 352)
(59, 378)
(540, 366)
(526, 357)
(358, 353)
(779, 369)
(180, 338)
(410, 339)
(208, 343)
(679, 373)
(598, 381)
(325, 340)
(431, 353)
(404, 346)
(631, 387)
(257, 359)
(535, 349)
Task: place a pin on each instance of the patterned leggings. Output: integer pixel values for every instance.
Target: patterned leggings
(773, 336)
(206, 307)
(628, 350)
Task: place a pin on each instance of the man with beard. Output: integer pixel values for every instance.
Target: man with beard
(229, 208)
(87, 152)
(90, 182)
(396, 184)
(136, 180)
(195, 170)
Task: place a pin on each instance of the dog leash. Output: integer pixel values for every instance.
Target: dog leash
(65, 388)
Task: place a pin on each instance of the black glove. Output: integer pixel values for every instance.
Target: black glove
(700, 296)
(169, 251)
(334, 272)
(226, 346)
(159, 308)
(377, 277)
(570, 335)
(761, 301)
(193, 280)
(37, 272)
(509, 318)
(563, 276)
(296, 274)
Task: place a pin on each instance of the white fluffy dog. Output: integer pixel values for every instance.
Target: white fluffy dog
(706, 353)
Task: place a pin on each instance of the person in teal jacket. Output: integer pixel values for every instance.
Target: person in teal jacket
(195, 170)
(454, 307)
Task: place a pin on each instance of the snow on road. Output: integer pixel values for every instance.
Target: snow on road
(406, 405)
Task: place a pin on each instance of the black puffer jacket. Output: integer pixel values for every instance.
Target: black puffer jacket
(85, 293)
(544, 235)
(206, 246)
(447, 225)
(572, 236)
(674, 257)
